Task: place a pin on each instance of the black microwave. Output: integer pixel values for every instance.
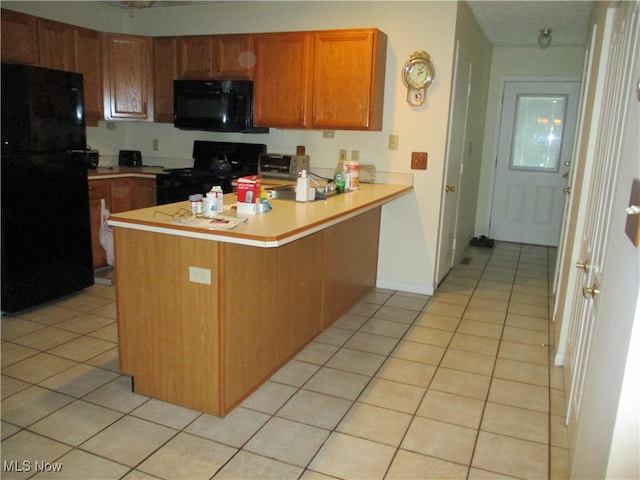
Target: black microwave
(214, 106)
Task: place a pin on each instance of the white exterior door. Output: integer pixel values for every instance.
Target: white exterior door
(456, 151)
(535, 145)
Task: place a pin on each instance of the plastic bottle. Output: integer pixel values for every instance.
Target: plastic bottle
(220, 198)
(211, 204)
(302, 187)
(339, 177)
(197, 205)
(353, 175)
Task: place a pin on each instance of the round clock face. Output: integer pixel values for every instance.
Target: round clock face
(418, 75)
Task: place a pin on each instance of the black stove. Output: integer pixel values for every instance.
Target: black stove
(214, 163)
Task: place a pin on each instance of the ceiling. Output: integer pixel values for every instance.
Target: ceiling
(518, 23)
(505, 23)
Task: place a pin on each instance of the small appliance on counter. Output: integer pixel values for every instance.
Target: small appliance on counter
(283, 167)
(130, 158)
(88, 157)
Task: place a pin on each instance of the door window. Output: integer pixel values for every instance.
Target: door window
(537, 136)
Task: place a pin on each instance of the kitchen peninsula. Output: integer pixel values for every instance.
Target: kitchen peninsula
(269, 286)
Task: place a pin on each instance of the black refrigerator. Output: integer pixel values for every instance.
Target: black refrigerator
(46, 238)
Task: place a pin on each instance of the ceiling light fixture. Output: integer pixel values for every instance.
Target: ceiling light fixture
(544, 40)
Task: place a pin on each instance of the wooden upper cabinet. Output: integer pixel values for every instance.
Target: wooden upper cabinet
(282, 88)
(55, 43)
(195, 56)
(233, 56)
(325, 80)
(165, 71)
(19, 38)
(216, 56)
(128, 84)
(348, 80)
(88, 62)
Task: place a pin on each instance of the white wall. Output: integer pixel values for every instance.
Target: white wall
(517, 63)
(409, 230)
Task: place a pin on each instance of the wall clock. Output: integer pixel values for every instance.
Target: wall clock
(417, 74)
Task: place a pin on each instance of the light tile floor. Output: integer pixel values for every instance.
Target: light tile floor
(459, 385)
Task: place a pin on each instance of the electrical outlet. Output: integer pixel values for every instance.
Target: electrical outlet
(393, 142)
(419, 160)
(156, 144)
(355, 155)
(343, 156)
(200, 275)
(328, 134)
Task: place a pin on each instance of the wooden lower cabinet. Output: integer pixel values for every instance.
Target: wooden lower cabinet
(120, 195)
(207, 347)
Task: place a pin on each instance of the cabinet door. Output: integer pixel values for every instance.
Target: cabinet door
(283, 80)
(88, 62)
(120, 191)
(128, 77)
(347, 82)
(233, 56)
(144, 193)
(55, 42)
(196, 56)
(19, 38)
(98, 189)
(165, 71)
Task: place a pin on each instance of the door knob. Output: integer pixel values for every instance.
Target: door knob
(590, 291)
(633, 210)
(583, 265)
(450, 188)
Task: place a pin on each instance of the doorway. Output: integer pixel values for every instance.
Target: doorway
(535, 144)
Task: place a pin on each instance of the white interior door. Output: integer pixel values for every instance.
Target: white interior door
(605, 301)
(454, 166)
(535, 146)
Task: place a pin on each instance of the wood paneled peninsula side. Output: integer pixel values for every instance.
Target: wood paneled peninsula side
(276, 281)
